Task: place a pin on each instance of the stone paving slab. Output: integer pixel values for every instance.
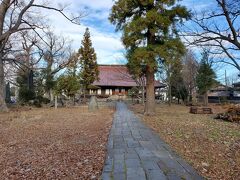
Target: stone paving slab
(135, 152)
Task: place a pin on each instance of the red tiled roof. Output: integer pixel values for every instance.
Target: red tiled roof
(116, 75)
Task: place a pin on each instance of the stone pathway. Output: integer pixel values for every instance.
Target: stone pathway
(137, 153)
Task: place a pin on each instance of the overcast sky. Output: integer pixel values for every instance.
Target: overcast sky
(106, 41)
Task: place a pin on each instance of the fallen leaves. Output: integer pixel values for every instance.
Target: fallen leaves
(67, 143)
(211, 146)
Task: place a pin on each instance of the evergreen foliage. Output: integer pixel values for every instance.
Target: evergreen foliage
(149, 28)
(67, 84)
(88, 60)
(26, 90)
(48, 77)
(149, 35)
(206, 76)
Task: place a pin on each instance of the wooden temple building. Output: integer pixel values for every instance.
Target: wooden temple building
(115, 80)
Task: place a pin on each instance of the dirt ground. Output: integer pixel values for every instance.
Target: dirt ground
(210, 146)
(67, 143)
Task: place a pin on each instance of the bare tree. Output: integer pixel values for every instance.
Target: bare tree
(218, 28)
(30, 45)
(170, 73)
(165, 74)
(141, 83)
(17, 16)
(189, 72)
(23, 56)
(57, 53)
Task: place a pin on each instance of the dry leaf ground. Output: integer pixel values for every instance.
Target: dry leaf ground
(211, 146)
(67, 143)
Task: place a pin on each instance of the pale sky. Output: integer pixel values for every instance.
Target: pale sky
(106, 41)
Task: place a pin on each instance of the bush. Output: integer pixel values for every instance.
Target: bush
(37, 103)
(42, 100)
(25, 94)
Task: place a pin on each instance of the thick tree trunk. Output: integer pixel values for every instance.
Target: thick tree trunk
(143, 94)
(169, 87)
(56, 102)
(170, 94)
(51, 95)
(194, 97)
(3, 106)
(84, 95)
(150, 94)
(205, 98)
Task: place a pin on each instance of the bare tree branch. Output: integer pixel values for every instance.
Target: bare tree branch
(218, 28)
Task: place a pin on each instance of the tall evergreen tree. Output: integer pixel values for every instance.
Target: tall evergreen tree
(88, 60)
(148, 31)
(206, 77)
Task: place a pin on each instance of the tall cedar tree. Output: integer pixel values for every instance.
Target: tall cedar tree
(88, 60)
(149, 28)
(206, 77)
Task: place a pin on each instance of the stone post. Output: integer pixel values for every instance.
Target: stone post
(93, 104)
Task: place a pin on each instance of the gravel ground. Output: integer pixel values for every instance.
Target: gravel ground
(211, 146)
(67, 143)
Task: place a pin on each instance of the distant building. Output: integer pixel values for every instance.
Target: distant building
(236, 89)
(115, 80)
(224, 93)
(220, 91)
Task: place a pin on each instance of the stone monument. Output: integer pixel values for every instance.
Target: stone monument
(93, 104)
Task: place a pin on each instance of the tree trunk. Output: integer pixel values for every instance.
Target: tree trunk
(169, 86)
(74, 100)
(170, 94)
(194, 97)
(84, 95)
(51, 95)
(150, 94)
(3, 106)
(205, 97)
(56, 102)
(143, 94)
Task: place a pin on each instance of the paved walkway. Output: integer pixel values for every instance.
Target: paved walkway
(137, 153)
